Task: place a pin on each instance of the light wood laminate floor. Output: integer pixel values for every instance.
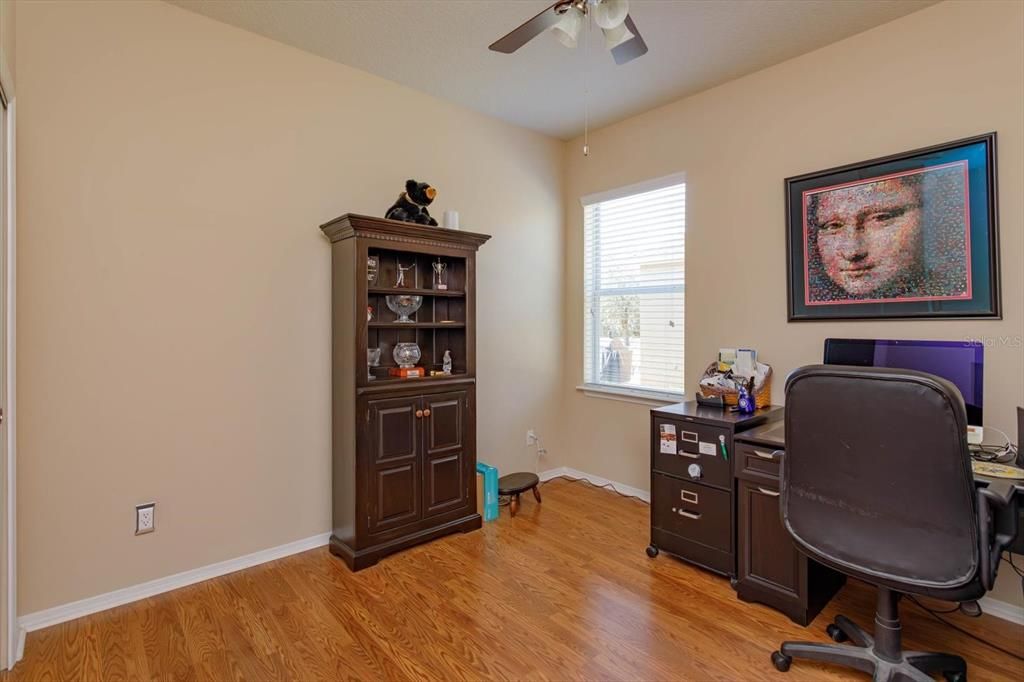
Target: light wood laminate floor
(563, 591)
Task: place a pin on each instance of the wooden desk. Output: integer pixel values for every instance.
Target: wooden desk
(1006, 488)
(770, 570)
(774, 435)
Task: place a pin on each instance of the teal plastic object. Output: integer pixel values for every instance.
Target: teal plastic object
(490, 475)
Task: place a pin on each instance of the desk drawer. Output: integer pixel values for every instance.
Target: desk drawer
(697, 512)
(758, 459)
(677, 444)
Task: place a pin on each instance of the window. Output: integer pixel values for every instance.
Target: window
(633, 283)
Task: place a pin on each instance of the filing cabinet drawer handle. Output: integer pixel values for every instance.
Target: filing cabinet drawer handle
(771, 456)
(690, 436)
(689, 515)
(773, 493)
(688, 454)
(688, 496)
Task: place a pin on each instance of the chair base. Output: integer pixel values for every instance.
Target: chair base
(883, 659)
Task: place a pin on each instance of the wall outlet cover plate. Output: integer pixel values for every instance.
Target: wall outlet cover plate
(145, 518)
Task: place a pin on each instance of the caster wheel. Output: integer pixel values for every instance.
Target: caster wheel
(954, 676)
(652, 551)
(781, 661)
(835, 633)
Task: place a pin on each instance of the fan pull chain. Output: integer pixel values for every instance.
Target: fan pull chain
(586, 89)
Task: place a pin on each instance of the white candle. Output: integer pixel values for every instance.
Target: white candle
(451, 220)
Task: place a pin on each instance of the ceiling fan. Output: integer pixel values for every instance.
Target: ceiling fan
(566, 18)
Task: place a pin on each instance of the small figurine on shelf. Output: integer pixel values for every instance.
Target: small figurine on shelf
(446, 362)
(402, 282)
(369, 313)
(372, 360)
(440, 275)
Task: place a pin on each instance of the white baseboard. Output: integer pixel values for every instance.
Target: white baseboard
(1002, 609)
(644, 495)
(102, 602)
(994, 607)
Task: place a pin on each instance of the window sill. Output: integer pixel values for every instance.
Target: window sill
(630, 395)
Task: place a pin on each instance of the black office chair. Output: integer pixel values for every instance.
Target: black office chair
(877, 484)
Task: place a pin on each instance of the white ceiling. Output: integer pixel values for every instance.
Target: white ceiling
(440, 47)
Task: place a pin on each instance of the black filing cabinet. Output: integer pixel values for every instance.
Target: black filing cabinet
(769, 568)
(693, 506)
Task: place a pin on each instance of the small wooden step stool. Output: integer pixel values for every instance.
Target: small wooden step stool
(513, 485)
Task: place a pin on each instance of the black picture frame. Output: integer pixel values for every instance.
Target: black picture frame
(955, 181)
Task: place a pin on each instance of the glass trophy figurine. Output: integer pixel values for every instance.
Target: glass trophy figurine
(440, 275)
(404, 280)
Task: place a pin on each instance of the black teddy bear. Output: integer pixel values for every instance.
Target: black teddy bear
(411, 205)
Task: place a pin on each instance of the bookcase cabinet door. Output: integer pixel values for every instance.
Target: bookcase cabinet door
(446, 477)
(395, 461)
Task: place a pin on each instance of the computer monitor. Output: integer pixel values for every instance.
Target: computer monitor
(960, 362)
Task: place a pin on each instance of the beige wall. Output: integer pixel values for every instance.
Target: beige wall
(174, 337)
(174, 287)
(947, 72)
(7, 14)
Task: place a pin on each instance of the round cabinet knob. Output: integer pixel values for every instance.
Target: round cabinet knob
(426, 413)
(694, 470)
(419, 414)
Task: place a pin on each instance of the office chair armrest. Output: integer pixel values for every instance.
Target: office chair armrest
(997, 523)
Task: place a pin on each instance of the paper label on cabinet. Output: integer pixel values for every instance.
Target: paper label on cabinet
(668, 439)
(707, 448)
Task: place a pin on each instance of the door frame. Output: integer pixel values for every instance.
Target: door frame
(15, 635)
(12, 637)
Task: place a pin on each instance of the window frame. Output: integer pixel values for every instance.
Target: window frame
(646, 396)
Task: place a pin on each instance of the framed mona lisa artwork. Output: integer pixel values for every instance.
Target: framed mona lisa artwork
(913, 235)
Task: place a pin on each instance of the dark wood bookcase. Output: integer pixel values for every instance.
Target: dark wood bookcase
(404, 449)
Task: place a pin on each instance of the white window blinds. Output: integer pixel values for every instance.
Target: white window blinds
(634, 287)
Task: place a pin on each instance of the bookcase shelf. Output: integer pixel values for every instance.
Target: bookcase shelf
(417, 325)
(391, 381)
(385, 291)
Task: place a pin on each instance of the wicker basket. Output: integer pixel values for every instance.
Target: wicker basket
(731, 396)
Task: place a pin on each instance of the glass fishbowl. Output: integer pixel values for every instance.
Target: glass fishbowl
(404, 305)
(406, 354)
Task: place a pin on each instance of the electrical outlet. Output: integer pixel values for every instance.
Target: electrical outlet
(145, 518)
(531, 437)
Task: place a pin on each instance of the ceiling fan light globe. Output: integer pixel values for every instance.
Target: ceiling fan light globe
(568, 29)
(609, 14)
(613, 37)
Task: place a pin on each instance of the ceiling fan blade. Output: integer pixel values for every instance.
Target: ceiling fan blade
(528, 31)
(631, 49)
